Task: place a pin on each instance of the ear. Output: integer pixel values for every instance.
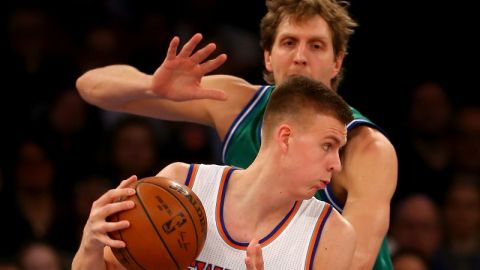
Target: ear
(338, 64)
(283, 136)
(266, 59)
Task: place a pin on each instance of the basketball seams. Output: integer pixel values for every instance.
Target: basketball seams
(153, 224)
(188, 212)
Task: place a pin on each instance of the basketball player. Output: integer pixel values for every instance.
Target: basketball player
(298, 37)
(272, 200)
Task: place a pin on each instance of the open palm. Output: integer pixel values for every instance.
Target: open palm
(179, 77)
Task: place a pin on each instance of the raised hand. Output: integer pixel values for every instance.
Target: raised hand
(254, 259)
(95, 233)
(180, 75)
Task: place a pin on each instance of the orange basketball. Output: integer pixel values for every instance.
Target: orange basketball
(168, 226)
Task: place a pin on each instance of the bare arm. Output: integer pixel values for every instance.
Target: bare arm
(337, 244)
(370, 176)
(90, 254)
(177, 171)
(177, 91)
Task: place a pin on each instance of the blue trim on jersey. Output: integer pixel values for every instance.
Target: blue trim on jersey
(222, 201)
(279, 224)
(317, 239)
(189, 174)
(362, 122)
(334, 202)
(251, 104)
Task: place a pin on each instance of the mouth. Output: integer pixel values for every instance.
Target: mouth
(298, 73)
(322, 184)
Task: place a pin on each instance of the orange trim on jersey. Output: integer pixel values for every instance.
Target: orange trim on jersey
(315, 240)
(193, 175)
(218, 219)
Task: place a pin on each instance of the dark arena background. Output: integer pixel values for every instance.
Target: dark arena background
(411, 68)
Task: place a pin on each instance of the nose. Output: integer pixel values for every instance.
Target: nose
(299, 57)
(336, 165)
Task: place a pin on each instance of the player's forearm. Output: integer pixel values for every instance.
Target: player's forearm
(88, 259)
(114, 86)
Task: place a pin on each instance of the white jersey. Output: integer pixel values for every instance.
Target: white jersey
(291, 245)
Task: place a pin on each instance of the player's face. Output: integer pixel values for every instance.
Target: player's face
(314, 155)
(303, 48)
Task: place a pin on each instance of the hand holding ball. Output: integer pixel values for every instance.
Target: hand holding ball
(168, 226)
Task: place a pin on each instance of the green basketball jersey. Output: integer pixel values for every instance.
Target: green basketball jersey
(242, 142)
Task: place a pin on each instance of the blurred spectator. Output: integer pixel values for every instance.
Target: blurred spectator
(244, 53)
(35, 209)
(103, 45)
(151, 41)
(466, 141)
(461, 250)
(72, 130)
(39, 61)
(409, 260)
(424, 154)
(194, 143)
(133, 149)
(8, 263)
(40, 256)
(416, 226)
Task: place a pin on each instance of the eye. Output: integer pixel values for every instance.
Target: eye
(317, 46)
(327, 146)
(288, 42)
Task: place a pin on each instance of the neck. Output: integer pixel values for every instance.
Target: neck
(261, 186)
(257, 195)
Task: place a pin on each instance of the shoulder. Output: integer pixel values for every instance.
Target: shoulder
(339, 227)
(370, 166)
(337, 243)
(177, 171)
(239, 93)
(369, 140)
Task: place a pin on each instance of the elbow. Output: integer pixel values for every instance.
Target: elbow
(362, 262)
(84, 87)
(88, 86)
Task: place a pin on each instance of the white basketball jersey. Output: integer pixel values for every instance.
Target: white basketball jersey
(291, 245)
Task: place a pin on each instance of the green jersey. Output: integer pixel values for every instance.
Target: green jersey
(242, 142)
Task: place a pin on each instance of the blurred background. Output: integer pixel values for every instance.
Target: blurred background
(412, 68)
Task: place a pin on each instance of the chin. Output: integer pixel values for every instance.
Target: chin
(310, 194)
(299, 74)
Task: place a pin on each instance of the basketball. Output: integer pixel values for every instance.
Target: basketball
(168, 226)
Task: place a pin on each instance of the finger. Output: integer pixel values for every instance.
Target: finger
(127, 182)
(259, 257)
(113, 195)
(172, 48)
(113, 242)
(250, 259)
(190, 45)
(116, 226)
(203, 53)
(113, 208)
(211, 94)
(249, 264)
(213, 64)
(251, 253)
